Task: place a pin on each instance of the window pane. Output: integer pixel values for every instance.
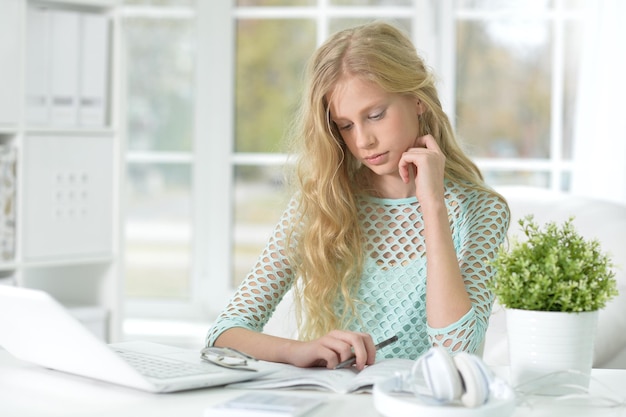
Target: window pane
(160, 62)
(576, 4)
(572, 56)
(160, 2)
(529, 178)
(336, 25)
(254, 3)
(566, 182)
(371, 2)
(260, 199)
(158, 231)
(271, 55)
(503, 87)
(492, 5)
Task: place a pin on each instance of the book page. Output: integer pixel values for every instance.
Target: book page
(383, 369)
(337, 380)
(289, 376)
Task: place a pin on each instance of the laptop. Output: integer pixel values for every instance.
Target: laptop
(35, 328)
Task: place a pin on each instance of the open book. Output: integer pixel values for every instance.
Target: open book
(342, 381)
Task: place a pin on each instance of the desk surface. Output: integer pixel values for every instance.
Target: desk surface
(27, 390)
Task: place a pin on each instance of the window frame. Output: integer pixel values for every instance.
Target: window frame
(213, 158)
(555, 166)
(213, 138)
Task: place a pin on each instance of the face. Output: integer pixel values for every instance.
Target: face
(377, 127)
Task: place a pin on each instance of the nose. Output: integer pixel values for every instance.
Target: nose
(364, 137)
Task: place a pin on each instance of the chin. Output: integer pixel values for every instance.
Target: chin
(382, 170)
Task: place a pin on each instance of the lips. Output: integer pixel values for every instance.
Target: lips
(376, 159)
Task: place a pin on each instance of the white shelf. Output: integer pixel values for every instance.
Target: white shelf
(77, 131)
(8, 131)
(8, 266)
(10, 55)
(67, 197)
(52, 263)
(66, 193)
(101, 4)
(69, 261)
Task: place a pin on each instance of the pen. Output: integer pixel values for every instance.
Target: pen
(349, 362)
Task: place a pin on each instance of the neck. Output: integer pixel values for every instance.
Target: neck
(388, 186)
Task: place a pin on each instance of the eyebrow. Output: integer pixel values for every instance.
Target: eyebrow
(365, 110)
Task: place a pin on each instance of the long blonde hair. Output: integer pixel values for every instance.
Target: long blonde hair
(326, 244)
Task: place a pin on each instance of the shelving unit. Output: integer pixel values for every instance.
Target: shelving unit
(59, 137)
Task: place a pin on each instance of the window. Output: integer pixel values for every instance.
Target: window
(274, 40)
(160, 60)
(516, 81)
(211, 87)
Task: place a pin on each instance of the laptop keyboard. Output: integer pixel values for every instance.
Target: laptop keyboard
(163, 368)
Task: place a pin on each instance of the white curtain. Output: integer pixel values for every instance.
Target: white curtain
(600, 127)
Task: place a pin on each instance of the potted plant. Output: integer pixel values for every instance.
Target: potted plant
(552, 284)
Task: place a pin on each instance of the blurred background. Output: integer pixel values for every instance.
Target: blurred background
(210, 87)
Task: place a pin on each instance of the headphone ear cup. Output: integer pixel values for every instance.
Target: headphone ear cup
(475, 379)
(441, 375)
(437, 379)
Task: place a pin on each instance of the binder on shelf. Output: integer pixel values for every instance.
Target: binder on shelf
(38, 56)
(64, 67)
(94, 45)
(67, 68)
(8, 197)
(9, 57)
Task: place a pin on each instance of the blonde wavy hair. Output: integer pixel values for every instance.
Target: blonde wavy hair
(325, 246)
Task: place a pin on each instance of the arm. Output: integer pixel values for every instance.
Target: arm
(241, 323)
(458, 303)
(328, 351)
(447, 300)
(480, 229)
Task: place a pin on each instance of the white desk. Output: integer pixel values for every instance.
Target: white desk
(30, 391)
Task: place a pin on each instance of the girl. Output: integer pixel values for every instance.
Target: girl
(392, 229)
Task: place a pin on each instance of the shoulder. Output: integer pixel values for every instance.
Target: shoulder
(467, 201)
(466, 194)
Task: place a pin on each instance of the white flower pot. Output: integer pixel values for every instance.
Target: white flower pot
(549, 350)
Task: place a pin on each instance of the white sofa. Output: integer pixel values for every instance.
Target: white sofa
(593, 218)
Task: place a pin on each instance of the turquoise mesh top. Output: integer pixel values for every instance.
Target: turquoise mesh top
(392, 291)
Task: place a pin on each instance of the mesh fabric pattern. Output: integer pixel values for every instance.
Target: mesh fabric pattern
(392, 291)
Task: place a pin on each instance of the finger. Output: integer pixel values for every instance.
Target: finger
(338, 340)
(318, 355)
(360, 353)
(403, 169)
(362, 348)
(428, 142)
(409, 163)
(330, 358)
(340, 346)
(371, 349)
(365, 351)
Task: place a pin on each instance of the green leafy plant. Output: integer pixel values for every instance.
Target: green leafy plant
(554, 269)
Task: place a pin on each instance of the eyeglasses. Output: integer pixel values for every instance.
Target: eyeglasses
(227, 358)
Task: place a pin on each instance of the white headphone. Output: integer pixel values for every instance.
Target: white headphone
(445, 385)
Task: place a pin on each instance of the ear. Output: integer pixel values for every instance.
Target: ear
(421, 108)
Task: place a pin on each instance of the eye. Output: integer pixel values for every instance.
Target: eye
(377, 116)
(345, 126)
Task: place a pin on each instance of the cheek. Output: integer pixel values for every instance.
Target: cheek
(402, 132)
(411, 130)
(351, 147)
